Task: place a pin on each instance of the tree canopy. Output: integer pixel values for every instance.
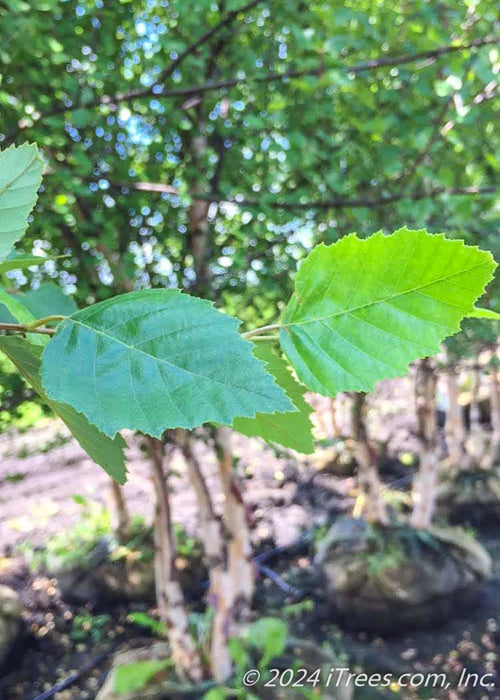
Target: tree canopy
(286, 123)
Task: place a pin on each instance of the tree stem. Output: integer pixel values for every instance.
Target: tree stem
(21, 328)
(263, 329)
(43, 321)
(170, 598)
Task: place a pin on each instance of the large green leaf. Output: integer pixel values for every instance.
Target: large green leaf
(157, 359)
(291, 429)
(363, 309)
(46, 300)
(103, 450)
(20, 178)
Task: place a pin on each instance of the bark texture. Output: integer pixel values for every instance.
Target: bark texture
(425, 486)
(169, 595)
(454, 427)
(214, 543)
(239, 552)
(120, 517)
(494, 452)
(371, 505)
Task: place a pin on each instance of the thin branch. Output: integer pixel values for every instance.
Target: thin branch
(20, 328)
(360, 202)
(263, 329)
(391, 61)
(439, 129)
(335, 203)
(382, 62)
(42, 321)
(204, 39)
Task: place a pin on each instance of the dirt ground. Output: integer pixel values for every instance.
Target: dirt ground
(36, 488)
(42, 469)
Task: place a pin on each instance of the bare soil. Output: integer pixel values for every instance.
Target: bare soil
(286, 497)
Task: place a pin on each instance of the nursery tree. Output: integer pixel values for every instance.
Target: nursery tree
(361, 310)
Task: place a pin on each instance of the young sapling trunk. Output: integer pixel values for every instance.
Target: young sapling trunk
(493, 458)
(425, 485)
(170, 598)
(117, 506)
(477, 441)
(213, 535)
(236, 518)
(372, 506)
(454, 426)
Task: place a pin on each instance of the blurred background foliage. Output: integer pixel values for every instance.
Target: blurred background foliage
(289, 123)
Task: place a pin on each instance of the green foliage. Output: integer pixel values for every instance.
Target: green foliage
(47, 299)
(106, 452)
(17, 402)
(135, 676)
(262, 641)
(14, 477)
(296, 610)
(388, 547)
(20, 177)
(359, 314)
(178, 360)
(484, 313)
(291, 429)
(12, 311)
(268, 635)
(88, 627)
(364, 309)
(20, 261)
(74, 546)
(186, 545)
(142, 619)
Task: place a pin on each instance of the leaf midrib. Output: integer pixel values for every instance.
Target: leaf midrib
(385, 299)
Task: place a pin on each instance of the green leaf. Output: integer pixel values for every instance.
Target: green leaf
(362, 310)
(268, 634)
(13, 311)
(48, 299)
(157, 359)
(136, 675)
(20, 177)
(104, 451)
(291, 429)
(21, 261)
(215, 694)
(483, 313)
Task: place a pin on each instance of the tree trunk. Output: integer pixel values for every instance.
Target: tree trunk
(425, 484)
(334, 406)
(476, 443)
(169, 595)
(454, 427)
(233, 584)
(370, 505)
(494, 453)
(117, 506)
(214, 544)
(239, 555)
